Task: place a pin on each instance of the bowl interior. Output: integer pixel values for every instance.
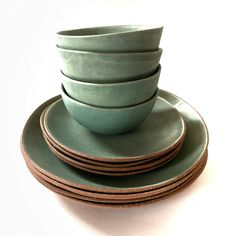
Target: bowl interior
(106, 30)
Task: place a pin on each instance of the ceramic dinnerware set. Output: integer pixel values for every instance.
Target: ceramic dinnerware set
(113, 139)
(116, 84)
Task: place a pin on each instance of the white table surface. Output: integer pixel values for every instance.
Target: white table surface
(198, 64)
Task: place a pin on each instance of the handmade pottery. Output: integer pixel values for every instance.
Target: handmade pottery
(35, 149)
(148, 140)
(108, 67)
(122, 38)
(51, 143)
(120, 196)
(115, 168)
(115, 171)
(170, 191)
(108, 120)
(112, 94)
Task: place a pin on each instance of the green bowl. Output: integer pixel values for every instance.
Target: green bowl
(112, 94)
(108, 67)
(108, 120)
(122, 38)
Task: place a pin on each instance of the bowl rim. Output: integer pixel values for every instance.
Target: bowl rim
(71, 51)
(111, 84)
(78, 103)
(143, 28)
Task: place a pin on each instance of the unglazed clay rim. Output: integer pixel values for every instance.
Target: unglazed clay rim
(101, 162)
(142, 28)
(164, 195)
(115, 173)
(109, 190)
(109, 196)
(151, 163)
(114, 159)
(126, 200)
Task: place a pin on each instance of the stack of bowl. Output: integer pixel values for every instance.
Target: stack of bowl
(109, 75)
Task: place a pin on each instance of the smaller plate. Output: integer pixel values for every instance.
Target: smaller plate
(51, 143)
(59, 149)
(161, 132)
(115, 171)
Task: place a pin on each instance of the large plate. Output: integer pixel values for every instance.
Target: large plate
(125, 202)
(118, 197)
(35, 150)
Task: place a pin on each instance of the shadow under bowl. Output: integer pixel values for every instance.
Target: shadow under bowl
(108, 120)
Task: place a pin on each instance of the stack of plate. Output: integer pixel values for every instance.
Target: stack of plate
(173, 129)
(135, 152)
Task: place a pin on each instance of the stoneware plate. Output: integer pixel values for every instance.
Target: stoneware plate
(35, 149)
(161, 132)
(174, 188)
(59, 149)
(106, 164)
(116, 171)
(142, 166)
(118, 197)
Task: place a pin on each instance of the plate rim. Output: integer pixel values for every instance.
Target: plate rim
(119, 190)
(117, 196)
(102, 162)
(142, 166)
(166, 194)
(118, 159)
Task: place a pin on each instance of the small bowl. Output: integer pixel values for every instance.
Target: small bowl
(108, 67)
(112, 94)
(122, 38)
(108, 120)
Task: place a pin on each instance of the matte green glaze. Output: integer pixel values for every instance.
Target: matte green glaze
(153, 163)
(120, 196)
(159, 134)
(108, 67)
(94, 162)
(108, 120)
(73, 192)
(122, 38)
(40, 156)
(112, 94)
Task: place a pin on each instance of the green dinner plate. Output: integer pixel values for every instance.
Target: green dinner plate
(161, 132)
(35, 150)
(119, 196)
(69, 191)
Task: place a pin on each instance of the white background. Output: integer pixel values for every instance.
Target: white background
(199, 65)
